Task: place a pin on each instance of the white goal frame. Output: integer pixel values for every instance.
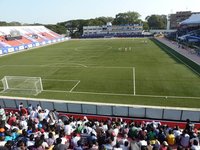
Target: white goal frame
(23, 84)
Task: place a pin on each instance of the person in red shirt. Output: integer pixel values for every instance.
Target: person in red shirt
(23, 111)
(12, 119)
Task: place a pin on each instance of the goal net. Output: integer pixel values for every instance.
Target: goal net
(22, 85)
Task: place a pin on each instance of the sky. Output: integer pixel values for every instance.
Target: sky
(54, 11)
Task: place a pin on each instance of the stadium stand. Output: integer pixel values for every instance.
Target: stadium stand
(189, 30)
(16, 38)
(37, 128)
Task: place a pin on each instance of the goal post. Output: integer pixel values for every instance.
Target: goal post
(22, 85)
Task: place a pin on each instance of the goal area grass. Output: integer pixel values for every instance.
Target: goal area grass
(124, 71)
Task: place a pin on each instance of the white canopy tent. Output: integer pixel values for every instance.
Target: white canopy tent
(193, 19)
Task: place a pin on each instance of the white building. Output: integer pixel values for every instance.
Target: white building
(113, 30)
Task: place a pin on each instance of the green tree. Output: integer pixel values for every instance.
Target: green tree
(145, 25)
(157, 21)
(130, 17)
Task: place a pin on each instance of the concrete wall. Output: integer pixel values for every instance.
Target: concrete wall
(149, 112)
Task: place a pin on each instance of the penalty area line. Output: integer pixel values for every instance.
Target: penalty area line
(75, 86)
(118, 94)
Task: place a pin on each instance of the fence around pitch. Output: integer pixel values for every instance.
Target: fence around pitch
(118, 110)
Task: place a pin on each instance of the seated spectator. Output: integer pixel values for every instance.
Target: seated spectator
(108, 145)
(21, 145)
(195, 145)
(2, 141)
(8, 145)
(50, 140)
(125, 146)
(142, 143)
(79, 147)
(37, 145)
(117, 147)
(30, 141)
(59, 146)
(164, 146)
(75, 138)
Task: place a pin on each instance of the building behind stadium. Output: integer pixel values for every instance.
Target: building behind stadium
(110, 30)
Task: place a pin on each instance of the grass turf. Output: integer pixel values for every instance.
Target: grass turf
(126, 71)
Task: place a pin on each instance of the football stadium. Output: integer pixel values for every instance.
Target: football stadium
(116, 84)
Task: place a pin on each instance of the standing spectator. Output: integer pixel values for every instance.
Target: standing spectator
(30, 108)
(38, 107)
(2, 116)
(171, 138)
(177, 134)
(23, 111)
(20, 105)
(185, 139)
(12, 119)
(161, 136)
(67, 128)
(189, 126)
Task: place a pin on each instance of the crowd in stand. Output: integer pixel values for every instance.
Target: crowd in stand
(35, 128)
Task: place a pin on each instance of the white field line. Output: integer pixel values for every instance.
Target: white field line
(60, 80)
(75, 86)
(62, 66)
(118, 94)
(48, 65)
(152, 96)
(55, 91)
(134, 90)
(66, 64)
(168, 96)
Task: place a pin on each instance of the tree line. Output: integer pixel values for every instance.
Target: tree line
(74, 28)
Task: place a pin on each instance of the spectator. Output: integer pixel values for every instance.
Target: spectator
(59, 145)
(30, 108)
(50, 140)
(30, 141)
(79, 147)
(21, 145)
(185, 139)
(164, 146)
(12, 119)
(125, 146)
(171, 138)
(20, 106)
(195, 145)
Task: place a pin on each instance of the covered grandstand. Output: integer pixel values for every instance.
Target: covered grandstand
(17, 38)
(189, 28)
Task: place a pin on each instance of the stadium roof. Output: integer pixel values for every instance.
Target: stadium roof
(194, 19)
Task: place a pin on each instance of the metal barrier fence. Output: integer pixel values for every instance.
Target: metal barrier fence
(135, 111)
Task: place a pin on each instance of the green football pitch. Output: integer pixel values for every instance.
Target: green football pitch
(125, 71)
